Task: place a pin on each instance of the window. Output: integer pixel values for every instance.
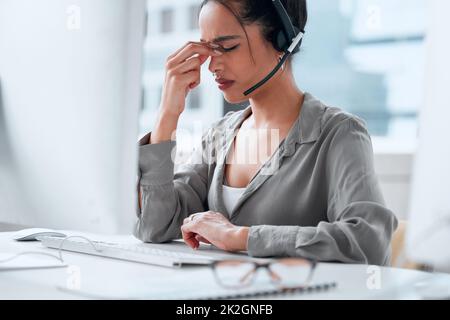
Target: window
(368, 59)
(194, 99)
(193, 12)
(167, 20)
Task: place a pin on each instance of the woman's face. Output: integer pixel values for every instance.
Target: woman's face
(235, 67)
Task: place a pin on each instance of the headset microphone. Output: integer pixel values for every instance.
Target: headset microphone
(278, 66)
(288, 40)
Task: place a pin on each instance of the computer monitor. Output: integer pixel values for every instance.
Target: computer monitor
(428, 235)
(70, 77)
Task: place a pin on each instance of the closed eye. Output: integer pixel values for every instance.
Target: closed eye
(230, 49)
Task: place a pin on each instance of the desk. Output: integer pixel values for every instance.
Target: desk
(133, 280)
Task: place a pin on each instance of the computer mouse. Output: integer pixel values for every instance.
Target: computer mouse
(33, 233)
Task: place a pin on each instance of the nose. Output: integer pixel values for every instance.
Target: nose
(215, 65)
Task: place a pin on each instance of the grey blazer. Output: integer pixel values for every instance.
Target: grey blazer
(317, 197)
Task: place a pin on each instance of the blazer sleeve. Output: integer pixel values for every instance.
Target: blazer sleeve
(168, 197)
(359, 226)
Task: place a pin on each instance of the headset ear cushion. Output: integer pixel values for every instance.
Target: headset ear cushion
(282, 44)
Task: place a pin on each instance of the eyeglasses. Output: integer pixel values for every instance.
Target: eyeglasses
(290, 273)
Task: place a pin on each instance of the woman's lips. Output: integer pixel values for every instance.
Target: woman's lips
(224, 84)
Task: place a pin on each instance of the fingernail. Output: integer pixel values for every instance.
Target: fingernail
(218, 52)
(214, 45)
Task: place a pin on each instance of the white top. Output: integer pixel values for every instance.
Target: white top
(231, 197)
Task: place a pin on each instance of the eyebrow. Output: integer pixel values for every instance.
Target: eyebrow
(223, 38)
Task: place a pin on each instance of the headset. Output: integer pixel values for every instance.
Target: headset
(287, 40)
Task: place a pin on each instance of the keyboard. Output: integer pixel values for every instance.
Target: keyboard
(142, 253)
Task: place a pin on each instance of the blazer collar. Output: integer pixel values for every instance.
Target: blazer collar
(307, 127)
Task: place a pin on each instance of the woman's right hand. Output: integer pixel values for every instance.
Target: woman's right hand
(183, 75)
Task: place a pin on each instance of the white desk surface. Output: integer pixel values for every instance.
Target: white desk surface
(109, 278)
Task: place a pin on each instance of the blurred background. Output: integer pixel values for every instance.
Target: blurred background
(364, 56)
(81, 81)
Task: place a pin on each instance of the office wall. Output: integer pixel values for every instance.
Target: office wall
(394, 174)
(64, 65)
(429, 231)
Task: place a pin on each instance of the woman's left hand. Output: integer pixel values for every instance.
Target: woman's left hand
(212, 227)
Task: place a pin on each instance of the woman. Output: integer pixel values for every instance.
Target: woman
(313, 195)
